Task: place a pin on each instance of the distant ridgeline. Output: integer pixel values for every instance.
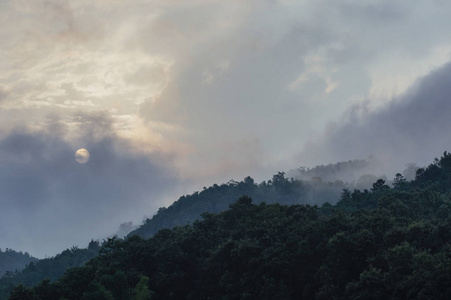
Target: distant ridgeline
(12, 261)
(302, 186)
(380, 243)
(347, 171)
(37, 270)
(218, 198)
(307, 187)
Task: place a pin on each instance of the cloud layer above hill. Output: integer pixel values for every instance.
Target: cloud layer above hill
(412, 128)
(184, 94)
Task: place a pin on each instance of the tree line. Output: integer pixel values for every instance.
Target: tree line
(381, 243)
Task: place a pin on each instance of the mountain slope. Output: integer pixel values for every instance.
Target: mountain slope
(12, 261)
(217, 198)
(49, 268)
(383, 243)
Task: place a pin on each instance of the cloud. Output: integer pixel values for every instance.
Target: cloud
(215, 89)
(50, 202)
(281, 71)
(197, 73)
(414, 127)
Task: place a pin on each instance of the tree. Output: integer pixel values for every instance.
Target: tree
(445, 161)
(94, 245)
(279, 177)
(379, 185)
(244, 201)
(399, 181)
(97, 292)
(345, 195)
(22, 293)
(249, 181)
(142, 290)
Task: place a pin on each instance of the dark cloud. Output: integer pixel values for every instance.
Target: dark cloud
(50, 202)
(412, 128)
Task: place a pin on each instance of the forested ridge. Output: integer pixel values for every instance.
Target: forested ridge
(49, 269)
(12, 261)
(218, 198)
(301, 186)
(381, 243)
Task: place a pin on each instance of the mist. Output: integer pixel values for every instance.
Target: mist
(412, 128)
(169, 97)
(50, 202)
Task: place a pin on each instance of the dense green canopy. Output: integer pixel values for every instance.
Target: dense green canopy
(11, 261)
(383, 243)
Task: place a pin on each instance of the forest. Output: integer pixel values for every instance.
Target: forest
(12, 261)
(34, 271)
(385, 242)
(314, 186)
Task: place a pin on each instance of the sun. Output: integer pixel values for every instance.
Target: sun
(82, 156)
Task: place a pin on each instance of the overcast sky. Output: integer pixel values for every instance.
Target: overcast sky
(171, 96)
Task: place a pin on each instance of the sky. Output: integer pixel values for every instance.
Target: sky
(171, 96)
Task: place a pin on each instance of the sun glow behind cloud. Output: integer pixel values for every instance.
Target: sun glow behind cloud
(209, 90)
(64, 57)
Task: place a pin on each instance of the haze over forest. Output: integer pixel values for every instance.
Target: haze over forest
(169, 97)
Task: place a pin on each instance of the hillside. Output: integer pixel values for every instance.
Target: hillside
(12, 261)
(218, 198)
(49, 268)
(188, 209)
(314, 186)
(382, 243)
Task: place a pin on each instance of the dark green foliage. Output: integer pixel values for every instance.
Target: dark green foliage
(400, 181)
(45, 270)
(214, 199)
(22, 293)
(387, 243)
(142, 291)
(12, 261)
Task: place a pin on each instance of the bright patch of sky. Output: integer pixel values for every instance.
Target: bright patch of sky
(204, 91)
